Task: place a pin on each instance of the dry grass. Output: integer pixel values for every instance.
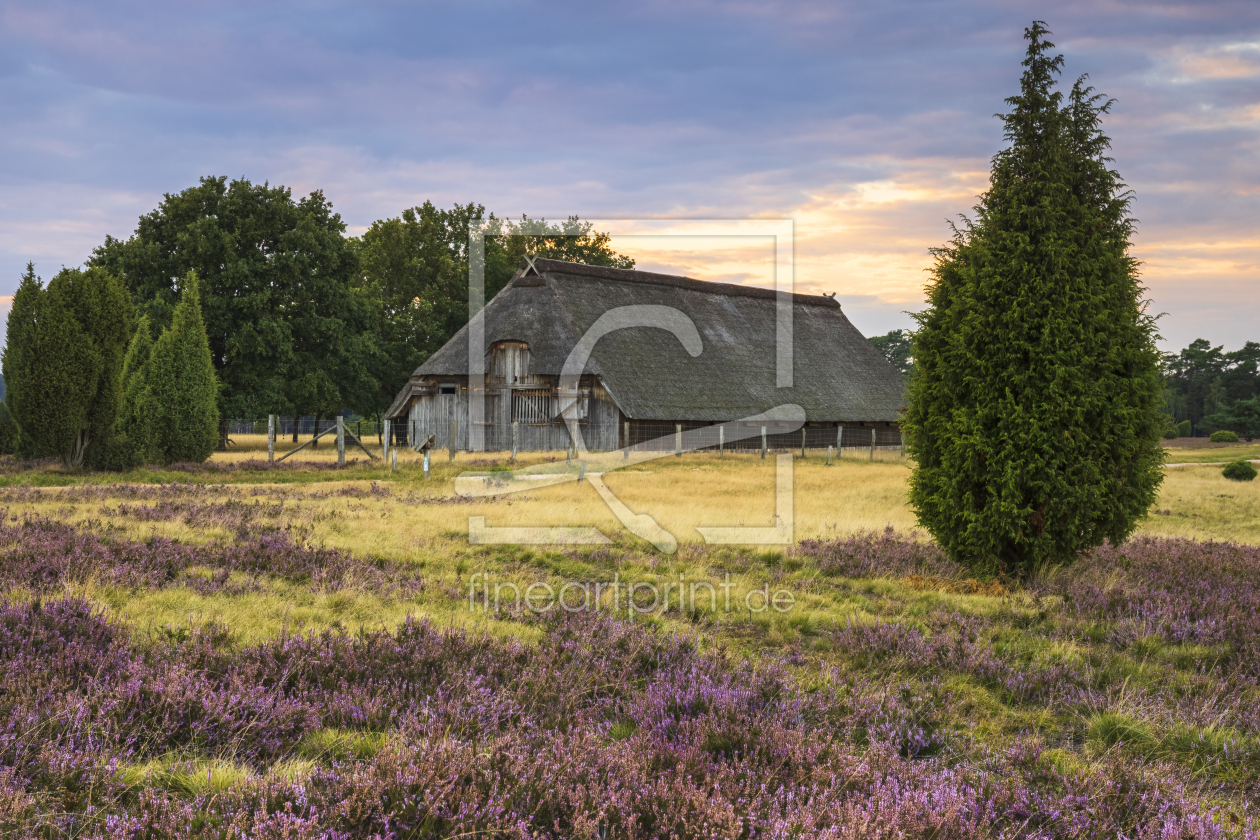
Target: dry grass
(1207, 451)
(422, 517)
(424, 524)
(253, 447)
(1200, 503)
(425, 520)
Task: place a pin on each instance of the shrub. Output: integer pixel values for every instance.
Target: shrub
(1171, 433)
(1183, 429)
(1239, 471)
(1223, 436)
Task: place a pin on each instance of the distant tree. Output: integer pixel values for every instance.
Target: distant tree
(134, 415)
(182, 384)
(1243, 418)
(1190, 375)
(415, 269)
(1035, 411)
(573, 240)
(1203, 380)
(289, 333)
(1241, 376)
(63, 364)
(897, 347)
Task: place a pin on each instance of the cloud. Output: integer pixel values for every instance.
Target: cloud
(869, 124)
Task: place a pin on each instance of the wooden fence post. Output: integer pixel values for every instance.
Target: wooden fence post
(454, 439)
(802, 441)
(829, 455)
(426, 465)
(872, 444)
(721, 441)
(271, 438)
(678, 440)
(341, 440)
(516, 438)
(763, 443)
(839, 438)
(393, 466)
(384, 438)
(625, 453)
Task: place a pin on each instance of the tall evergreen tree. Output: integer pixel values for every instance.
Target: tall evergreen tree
(63, 363)
(135, 413)
(20, 354)
(1034, 415)
(182, 386)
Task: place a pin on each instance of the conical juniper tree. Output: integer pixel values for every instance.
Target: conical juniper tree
(63, 364)
(182, 386)
(21, 356)
(1035, 413)
(134, 415)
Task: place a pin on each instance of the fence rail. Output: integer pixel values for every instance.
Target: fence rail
(644, 436)
(305, 426)
(637, 435)
(746, 437)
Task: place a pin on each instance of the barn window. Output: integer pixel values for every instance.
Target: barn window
(446, 388)
(532, 407)
(509, 363)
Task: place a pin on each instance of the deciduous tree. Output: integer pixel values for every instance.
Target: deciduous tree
(288, 333)
(897, 347)
(415, 269)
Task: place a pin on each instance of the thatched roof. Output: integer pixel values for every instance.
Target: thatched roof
(837, 374)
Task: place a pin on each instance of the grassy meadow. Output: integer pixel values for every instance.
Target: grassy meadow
(302, 627)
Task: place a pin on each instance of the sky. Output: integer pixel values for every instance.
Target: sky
(868, 125)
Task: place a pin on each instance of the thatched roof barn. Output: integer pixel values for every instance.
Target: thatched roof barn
(644, 376)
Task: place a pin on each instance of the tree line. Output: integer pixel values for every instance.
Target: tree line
(1204, 389)
(1207, 390)
(86, 382)
(296, 318)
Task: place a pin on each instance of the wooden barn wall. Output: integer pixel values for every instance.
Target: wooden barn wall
(602, 429)
(432, 415)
